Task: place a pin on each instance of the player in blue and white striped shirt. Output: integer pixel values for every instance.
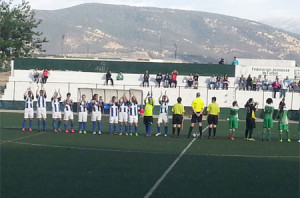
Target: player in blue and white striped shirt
(113, 115)
(82, 114)
(68, 113)
(28, 112)
(133, 111)
(56, 113)
(123, 114)
(41, 108)
(96, 113)
(163, 114)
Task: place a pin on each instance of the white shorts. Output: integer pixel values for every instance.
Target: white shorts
(113, 119)
(163, 118)
(28, 113)
(41, 113)
(96, 116)
(82, 117)
(68, 115)
(133, 119)
(123, 117)
(56, 115)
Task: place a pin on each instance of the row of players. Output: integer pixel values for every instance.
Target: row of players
(125, 111)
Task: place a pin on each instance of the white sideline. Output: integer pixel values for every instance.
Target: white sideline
(154, 187)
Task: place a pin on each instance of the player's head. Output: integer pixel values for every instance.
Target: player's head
(198, 94)
(113, 99)
(83, 97)
(281, 106)
(41, 92)
(213, 99)
(95, 97)
(249, 102)
(122, 99)
(100, 97)
(29, 93)
(150, 99)
(133, 99)
(55, 94)
(179, 99)
(164, 97)
(68, 95)
(269, 101)
(234, 104)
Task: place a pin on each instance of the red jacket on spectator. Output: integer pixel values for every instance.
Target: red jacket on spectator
(276, 84)
(46, 73)
(174, 76)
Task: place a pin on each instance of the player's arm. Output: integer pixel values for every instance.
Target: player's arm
(71, 103)
(167, 99)
(37, 92)
(45, 94)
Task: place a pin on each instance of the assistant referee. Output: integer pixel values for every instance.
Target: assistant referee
(178, 111)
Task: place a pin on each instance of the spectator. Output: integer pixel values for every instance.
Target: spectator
(284, 87)
(219, 83)
(225, 82)
(174, 78)
(196, 78)
(212, 82)
(146, 78)
(120, 76)
(190, 80)
(265, 82)
(36, 75)
(167, 80)
(276, 87)
(249, 83)
(108, 77)
(259, 83)
(254, 83)
(235, 61)
(46, 74)
(159, 78)
(294, 84)
(289, 82)
(222, 61)
(242, 83)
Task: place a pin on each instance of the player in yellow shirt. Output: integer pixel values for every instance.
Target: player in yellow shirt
(148, 116)
(178, 111)
(213, 110)
(198, 107)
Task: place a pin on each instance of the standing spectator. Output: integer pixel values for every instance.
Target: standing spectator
(249, 83)
(219, 83)
(259, 83)
(294, 84)
(212, 82)
(235, 61)
(146, 78)
(120, 76)
(242, 83)
(108, 77)
(46, 74)
(196, 78)
(159, 78)
(190, 80)
(225, 82)
(265, 82)
(167, 80)
(222, 61)
(276, 87)
(284, 88)
(174, 78)
(254, 82)
(36, 75)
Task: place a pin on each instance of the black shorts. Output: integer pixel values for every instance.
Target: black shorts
(250, 123)
(212, 119)
(196, 119)
(177, 119)
(148, 119)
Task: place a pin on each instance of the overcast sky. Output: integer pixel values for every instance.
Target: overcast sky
(249, 9)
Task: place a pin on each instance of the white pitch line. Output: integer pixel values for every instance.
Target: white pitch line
(154, 187)
(21, 138)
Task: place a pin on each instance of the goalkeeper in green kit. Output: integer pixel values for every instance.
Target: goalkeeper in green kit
(283, 124)
(268, 119)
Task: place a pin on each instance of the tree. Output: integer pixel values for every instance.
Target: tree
(18, 34)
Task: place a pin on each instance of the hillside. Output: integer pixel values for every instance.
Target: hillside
(111, 30)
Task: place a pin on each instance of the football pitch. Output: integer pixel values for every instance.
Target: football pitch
(47, 164)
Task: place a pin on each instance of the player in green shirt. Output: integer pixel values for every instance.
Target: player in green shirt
(233, 119)
(283, 124)
(268, 119)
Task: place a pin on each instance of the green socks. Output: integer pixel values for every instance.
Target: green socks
(269, 134)
(288, 135)
(263, 133)
(280, 135)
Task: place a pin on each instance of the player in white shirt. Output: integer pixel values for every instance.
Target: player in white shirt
(96, 113)
(133, 111)
(113, 115)
(163, 114)
(56, 113)
(123, 114)
(82, 114)
(68, 113)
(28, 111)
(41, 108)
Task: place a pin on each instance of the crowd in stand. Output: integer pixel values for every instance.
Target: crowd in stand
(40, 77)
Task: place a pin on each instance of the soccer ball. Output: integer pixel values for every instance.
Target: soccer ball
(194, 135)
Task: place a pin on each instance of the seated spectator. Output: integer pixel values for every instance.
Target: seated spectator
(265, 82)
(254, 83)
(219, 82)
(289, 82)
(46, 74)
(235, 61)
(212, 82)
(294, 84)
(174, 78)
(242, 83)
(108, 77)
(225, 82)
(146, 78)
(222, 61)
(159, 78)
(276, 87)
(249, 83)
(283, 88)
(120, 76)
(36, 75)
(190, 80)
(167, 80)
(259, 83)
(196, 78)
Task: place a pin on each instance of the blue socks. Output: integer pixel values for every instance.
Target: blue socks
(59, 123)
(44, 124)
(130, 128)
(80, 126)
(110, 128)
(54, 124)
(66, 126)
(115, 128)
(94, 126)
(166, 129)
(30, 124)
(39, 124)
(24, 123)
(99, 126)
(158, 129)
(150, 129)
(147, 128)
(126, 128)
(136, 129)
(72, 125)
(84, 126)
(121, 128)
